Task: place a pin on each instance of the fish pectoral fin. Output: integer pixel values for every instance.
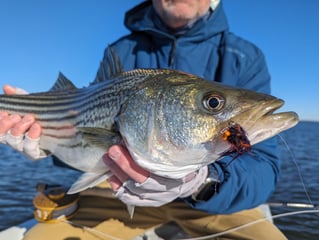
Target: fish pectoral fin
(88, 180)
(101, 137)
(130, 209)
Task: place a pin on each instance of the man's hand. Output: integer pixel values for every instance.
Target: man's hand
(135, 186)
(123, 167)
(21, 133)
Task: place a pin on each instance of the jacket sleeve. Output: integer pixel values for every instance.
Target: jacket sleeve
(248, 180)
(245, 183)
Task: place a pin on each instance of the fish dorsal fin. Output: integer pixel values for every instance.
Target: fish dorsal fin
(63, 83)
(110, 67)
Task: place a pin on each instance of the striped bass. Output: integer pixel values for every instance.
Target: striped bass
(171, 122)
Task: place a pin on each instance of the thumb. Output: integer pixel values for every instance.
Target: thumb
(10, 90)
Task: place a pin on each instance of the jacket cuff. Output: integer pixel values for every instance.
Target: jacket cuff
(211, 184)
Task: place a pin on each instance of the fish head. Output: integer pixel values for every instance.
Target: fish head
(174, 124)
(254, 116)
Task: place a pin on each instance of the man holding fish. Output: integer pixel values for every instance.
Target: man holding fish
(191, 36)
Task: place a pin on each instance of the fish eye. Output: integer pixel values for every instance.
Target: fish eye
(213, 102)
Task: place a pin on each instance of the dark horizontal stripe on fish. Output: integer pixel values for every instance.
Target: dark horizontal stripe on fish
(54, 112)
(44, 97)
(89, 113)
(75, 145)
(59, 128)
(59, 136)
(36, 102)
(60, 98)
(80, 104)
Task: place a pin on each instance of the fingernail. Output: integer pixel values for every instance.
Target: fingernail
(28, 118)
(114, 154)
(3, 114)
(15, 118)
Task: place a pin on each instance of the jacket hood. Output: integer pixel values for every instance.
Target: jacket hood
(143, 18)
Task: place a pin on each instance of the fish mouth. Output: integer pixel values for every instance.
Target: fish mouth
(261, 122)
(267, 109)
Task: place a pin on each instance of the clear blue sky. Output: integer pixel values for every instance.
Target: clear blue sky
(39, 38)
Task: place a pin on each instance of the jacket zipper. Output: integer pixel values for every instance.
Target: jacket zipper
(171, 60)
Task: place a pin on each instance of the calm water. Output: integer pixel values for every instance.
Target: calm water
(304, 144)
(19, 177)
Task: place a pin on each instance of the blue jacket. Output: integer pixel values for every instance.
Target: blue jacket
(208, 50)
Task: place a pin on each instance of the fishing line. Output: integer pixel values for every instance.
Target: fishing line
(252, 223)
(89, 229)
(294, 160)
(103, 234)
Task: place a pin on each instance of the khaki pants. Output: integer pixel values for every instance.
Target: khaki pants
(108, 218)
